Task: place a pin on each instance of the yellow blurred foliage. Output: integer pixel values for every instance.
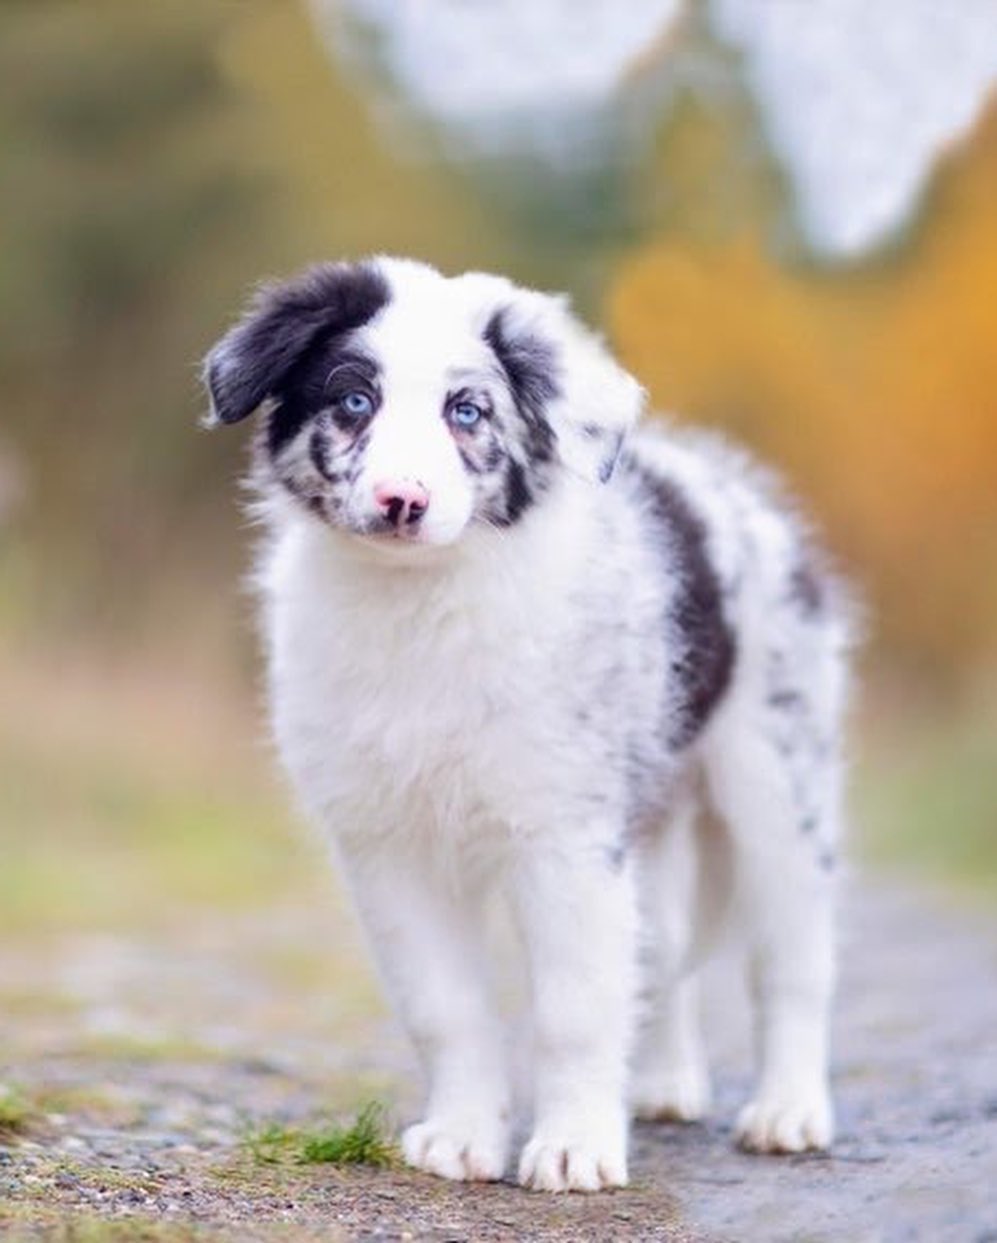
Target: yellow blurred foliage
(350, 189)
(875, 390)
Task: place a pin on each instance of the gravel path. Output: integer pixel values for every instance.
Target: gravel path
(145, 1061)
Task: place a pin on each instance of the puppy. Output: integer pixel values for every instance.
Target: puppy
(509, 651)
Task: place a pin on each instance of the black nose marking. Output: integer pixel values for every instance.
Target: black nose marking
(395, 507)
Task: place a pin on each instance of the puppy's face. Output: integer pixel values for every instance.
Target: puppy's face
(408, 427)
(402, 406)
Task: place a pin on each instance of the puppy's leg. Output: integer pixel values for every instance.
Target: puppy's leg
(576, 908)
(780, 810)
(671, 1079)
(428, 941)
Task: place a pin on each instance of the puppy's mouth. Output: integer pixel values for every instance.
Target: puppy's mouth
(406, 539)
(381, 530)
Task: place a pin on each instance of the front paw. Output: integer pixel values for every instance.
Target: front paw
(569, 1160)
(457, 1148)
(784, 1122)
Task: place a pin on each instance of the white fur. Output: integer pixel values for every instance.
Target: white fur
(485, 716)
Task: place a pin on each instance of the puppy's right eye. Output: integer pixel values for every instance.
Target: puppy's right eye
(356, 404)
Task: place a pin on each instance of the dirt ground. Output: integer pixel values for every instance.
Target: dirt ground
(145, 1062)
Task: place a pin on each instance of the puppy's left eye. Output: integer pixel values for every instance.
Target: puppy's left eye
(465, 413)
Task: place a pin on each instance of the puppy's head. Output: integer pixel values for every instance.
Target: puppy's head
(402, 406)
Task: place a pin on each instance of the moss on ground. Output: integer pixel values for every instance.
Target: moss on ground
(88, 1100)
(21, 1223)
(17, 1113)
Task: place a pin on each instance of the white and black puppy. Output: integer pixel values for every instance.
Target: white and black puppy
(508, 652)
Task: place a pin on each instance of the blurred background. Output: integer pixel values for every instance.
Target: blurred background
(784, 216)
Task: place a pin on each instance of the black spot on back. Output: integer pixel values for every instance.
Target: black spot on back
(706, 660)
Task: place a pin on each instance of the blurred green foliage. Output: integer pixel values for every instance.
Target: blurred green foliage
(157, 162)
(126, 215)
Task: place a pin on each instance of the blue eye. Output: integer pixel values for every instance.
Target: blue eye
(465, 413)
(356, 404)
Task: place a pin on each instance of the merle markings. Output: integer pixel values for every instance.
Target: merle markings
(705, 661)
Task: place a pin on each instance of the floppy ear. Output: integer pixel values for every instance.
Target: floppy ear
(562, 372)
(251, 362)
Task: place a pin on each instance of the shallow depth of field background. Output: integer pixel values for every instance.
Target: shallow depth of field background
(787, 228)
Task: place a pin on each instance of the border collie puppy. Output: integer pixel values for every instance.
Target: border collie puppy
(510, 651)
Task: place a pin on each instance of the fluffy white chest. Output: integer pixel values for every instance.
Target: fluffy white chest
(395, 700)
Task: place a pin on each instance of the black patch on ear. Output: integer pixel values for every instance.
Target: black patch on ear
(530, 366)
(708, 649)
(284, 323)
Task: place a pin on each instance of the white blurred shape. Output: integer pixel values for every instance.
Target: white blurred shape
(508, 75)
(860, 97)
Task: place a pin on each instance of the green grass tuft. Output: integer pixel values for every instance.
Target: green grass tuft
(271, 1144)
(364, 1141)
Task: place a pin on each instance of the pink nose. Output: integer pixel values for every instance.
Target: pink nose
(401, 501)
